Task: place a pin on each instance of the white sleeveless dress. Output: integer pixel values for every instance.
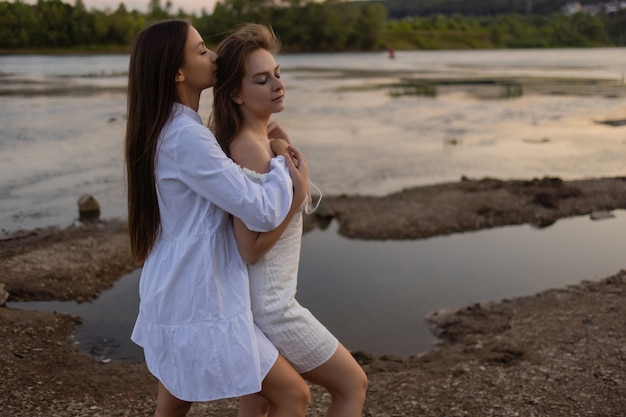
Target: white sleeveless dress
(297, 334)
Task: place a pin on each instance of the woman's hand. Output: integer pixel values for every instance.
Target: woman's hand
(275, 131)
(281, 147)
(299, 171)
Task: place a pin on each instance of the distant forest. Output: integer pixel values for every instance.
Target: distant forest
(402, 8)
(331, 25)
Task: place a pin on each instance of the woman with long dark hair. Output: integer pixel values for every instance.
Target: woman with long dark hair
(194, 321)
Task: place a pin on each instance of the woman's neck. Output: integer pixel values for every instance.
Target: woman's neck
(189, 98)
(256, 127)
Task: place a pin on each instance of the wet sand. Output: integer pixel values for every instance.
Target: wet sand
(557, 353)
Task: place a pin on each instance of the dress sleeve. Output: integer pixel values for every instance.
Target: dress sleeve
(206, 169)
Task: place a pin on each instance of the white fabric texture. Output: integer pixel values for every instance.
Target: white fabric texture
(299, 336)
(194, 323)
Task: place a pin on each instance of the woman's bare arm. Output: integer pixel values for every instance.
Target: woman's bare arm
(254, 245)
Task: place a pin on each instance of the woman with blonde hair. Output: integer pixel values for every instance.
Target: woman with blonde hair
(249, 90)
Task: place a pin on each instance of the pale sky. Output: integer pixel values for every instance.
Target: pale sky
(189, 6)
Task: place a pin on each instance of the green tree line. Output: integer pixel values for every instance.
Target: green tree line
(505, 31)
(402, 8)
(307, 25)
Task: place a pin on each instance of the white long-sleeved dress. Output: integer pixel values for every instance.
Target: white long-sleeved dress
(294, 330)
(195, 323)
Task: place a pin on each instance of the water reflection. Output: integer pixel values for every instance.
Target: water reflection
(374, 295)
(506, 114)
(491, 89)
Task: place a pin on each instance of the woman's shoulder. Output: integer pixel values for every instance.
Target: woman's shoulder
(186, 140)
(187, 127)
(251, 154)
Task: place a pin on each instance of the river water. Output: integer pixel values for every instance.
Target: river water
(62, 121)
(63, 118)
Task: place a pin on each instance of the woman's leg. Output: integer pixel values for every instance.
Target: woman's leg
(253, 405)
(170, 406)
(346, 382)
(285, 390)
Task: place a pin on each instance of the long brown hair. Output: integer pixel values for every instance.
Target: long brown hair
(157, 53)
(233, 52)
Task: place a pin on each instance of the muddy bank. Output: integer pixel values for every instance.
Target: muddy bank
(443, 209)
(558, 353)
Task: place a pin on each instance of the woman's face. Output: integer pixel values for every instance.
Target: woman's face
(262, 88)
(199, 70)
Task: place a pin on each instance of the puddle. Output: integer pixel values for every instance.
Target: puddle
(107, 321)
(374, 295)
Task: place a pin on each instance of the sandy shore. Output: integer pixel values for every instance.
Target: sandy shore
(558, 353)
